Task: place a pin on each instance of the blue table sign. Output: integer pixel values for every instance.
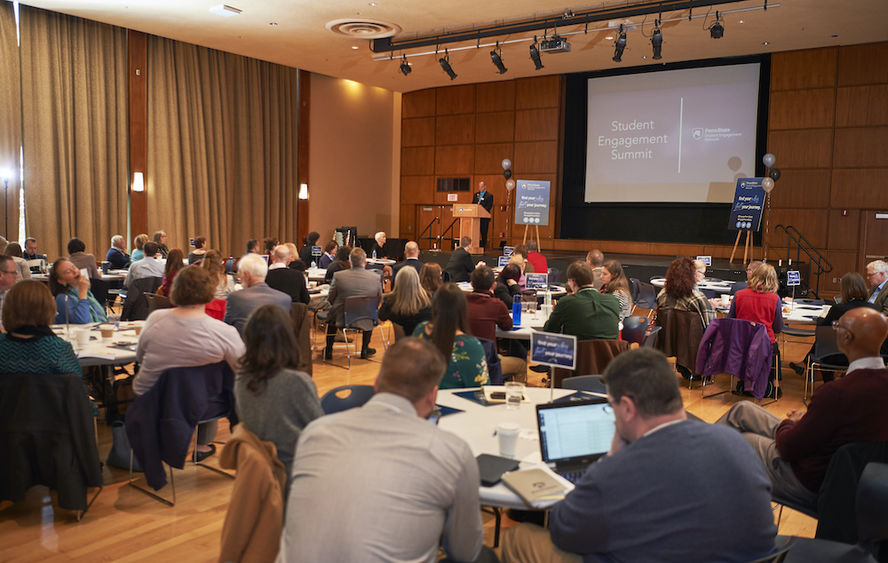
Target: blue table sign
(536, 281)
(550, 349)
(316, 250)
(502, 261)
(508, 250)
(793, 278)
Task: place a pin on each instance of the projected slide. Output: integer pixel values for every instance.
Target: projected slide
(672, 136)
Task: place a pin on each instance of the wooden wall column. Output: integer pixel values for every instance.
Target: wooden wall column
(304, 97)
(137, 53)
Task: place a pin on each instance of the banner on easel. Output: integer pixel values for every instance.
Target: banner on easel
(749, 200)
(532, 202)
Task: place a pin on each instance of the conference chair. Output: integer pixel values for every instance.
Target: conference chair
(494, 366)
(593, 356)
(680, 337)
(135, 307)
(634, 329)
(650, 338)
(156, 302)
(739, 348)
(48, 437)
(592, 383)
(644, 296)
(825, 357)
(360, 314)
(346, 397)
(302, 329)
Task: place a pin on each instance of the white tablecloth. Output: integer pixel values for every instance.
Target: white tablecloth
(118, 350)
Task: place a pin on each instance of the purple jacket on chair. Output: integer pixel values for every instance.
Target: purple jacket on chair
(737, 347)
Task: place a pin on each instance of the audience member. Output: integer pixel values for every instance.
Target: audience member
(539, 262)
(485, 311)
(139, 244)
(408, 304)
(252, 246)
(513, 352)
(680, 292)
(423, 492)
(200, 250)
(175, 262)
(30, 252)
(519, 262)
(295, 262)
(148, 267)
(75, 303)
(750, 268)
(117, 256)
(585, 313)
(759, 303)
(305, 252)
(411, 258)
(274, 400)
(78, 256)
(252, 271)
(522, 252)
(507, 287)
(357, 281)
(666, 483)
(595, 259)
(341, 263)
(160, 239)
(282, 278)
(877, 275)
(185, 336)
(485, 199)
(329, 254)
(379, 247)
(614, 282)
(8, 278)
(431, 278)
(699, 272)
(460, 264)
(796, 451)
(214, 263)
(14, 251)
(268, 244)
(449, 332)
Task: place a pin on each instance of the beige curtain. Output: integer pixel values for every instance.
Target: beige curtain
(74, 100)
(222, 136)
(10, 121)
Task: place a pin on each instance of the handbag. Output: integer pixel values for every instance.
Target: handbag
(119, 456)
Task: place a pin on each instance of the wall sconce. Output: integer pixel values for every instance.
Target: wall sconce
(303, 191)
(138, 182)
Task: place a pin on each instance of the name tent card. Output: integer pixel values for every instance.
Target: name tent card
(705, 259)
(793, 278)
(550, 349)
(502, 261)
(508, 250)
(316, 250)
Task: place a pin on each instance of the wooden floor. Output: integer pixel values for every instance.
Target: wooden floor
(126, 525)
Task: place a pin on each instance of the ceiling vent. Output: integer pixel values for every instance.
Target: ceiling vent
(363, 28)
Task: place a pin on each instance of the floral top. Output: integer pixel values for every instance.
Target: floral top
(467, 367)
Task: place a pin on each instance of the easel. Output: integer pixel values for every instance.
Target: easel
(747, 245)
(536, 230)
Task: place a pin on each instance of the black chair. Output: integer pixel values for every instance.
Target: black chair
(633, 288)
(872, 509)
(156, 302)
(356, 312)
(592, 383)
(357, 395)
(494, 366)
(825, 357)
(136, 307)
(646, 297)
(634, 329)
(650, 339)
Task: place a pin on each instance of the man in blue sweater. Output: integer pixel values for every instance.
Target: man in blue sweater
(670, 489)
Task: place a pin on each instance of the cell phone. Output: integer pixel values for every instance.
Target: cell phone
(498, 395)
(191, 241)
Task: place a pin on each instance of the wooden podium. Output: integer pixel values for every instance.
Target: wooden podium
(470, 215)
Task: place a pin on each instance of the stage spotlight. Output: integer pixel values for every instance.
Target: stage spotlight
(657, 44)
(405, 67)
(717, 30)
(497, 58)
(619, 46)
(535, 55)
(445, 64)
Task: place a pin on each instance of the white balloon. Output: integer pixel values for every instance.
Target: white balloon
(507, 164)
(769, 160)
(510, 184)
(768, 185)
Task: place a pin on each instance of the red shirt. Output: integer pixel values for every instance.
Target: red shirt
(486, 312)
(758, 307)
(539, 262)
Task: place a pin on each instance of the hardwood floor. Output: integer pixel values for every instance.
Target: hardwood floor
(126, 525)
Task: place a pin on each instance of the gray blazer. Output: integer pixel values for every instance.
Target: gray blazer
(881, 301)
(242, 303)
(354, 282)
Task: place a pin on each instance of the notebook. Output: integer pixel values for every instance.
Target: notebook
(574, 434)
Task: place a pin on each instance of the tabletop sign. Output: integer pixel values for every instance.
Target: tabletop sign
(532, 202)
(793, 278)
(749, 199)
(550, 349)
(536, 281)
(502, 261)
(452, 197)
(705, 259)
(508, 251)
(316, 250)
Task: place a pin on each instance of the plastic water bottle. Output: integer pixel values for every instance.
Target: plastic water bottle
(374, 254)
(516, 311)
(314, 264)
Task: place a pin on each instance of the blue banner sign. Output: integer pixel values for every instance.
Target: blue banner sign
(749, 200)
(550, 349)
(532, 202)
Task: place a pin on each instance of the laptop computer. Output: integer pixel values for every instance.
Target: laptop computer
(574, 434)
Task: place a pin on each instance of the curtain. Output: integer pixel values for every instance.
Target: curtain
(74, 100)
(10, 121)
(222, 144)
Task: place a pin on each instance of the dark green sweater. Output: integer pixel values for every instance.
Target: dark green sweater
(587, 314)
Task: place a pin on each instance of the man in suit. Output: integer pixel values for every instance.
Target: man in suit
(282, 278)
(411, 258)
(252, 270)
(357, 281)
(485, 199)
(877, 275)
(460, 264)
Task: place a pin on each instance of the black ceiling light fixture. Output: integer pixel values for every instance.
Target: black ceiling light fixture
(717, 30)
(620, 45)
(445, 64)
(657, 41)
(535, 54)
(497, 57)
(405, 66)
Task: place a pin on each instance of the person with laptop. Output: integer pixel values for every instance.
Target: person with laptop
(669, 489)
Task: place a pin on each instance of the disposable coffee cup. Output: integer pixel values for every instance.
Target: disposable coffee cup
(507, 434)
(138, 329)
(107, 330)
(726, 300)
(82, 337)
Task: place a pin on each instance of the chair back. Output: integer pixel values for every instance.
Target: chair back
(351, 396)
(494, 366)
(302, 328)
(554, 275)
(634, 329)
(593, 356)
(825, 345)
(633, 289)
(156, 301)
(646, 297)
(361, 309)
(399, 331)
(592, 383)
(650, 339)
(681, 335)
(136, 308)
(872, 504)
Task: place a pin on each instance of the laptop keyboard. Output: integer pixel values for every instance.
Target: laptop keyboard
(572, 475)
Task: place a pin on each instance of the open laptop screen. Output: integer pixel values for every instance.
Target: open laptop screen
(575, 430)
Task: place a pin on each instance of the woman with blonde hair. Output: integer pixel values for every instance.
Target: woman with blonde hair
(223, 283)
(139, 243)
(759, 303)
(408, 304)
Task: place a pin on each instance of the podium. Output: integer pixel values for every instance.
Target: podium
(470, 215)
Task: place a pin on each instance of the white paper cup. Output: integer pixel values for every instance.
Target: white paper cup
(507, 434)
(726, 300)
(82, 337)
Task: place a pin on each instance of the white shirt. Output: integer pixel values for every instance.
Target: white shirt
(871, 362)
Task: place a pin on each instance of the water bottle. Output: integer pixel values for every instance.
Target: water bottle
(516, 311)
(314, 264)
(374, 254)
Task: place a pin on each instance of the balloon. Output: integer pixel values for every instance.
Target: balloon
(507, 174)
(768, 185)
(769, 160)
(507, 164)
(510, 184)
(774, 174)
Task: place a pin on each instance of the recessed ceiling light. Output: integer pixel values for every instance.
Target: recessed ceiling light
(355, 47)
(225, 10)
(372, 4)
(609, 38)
(740, 21)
